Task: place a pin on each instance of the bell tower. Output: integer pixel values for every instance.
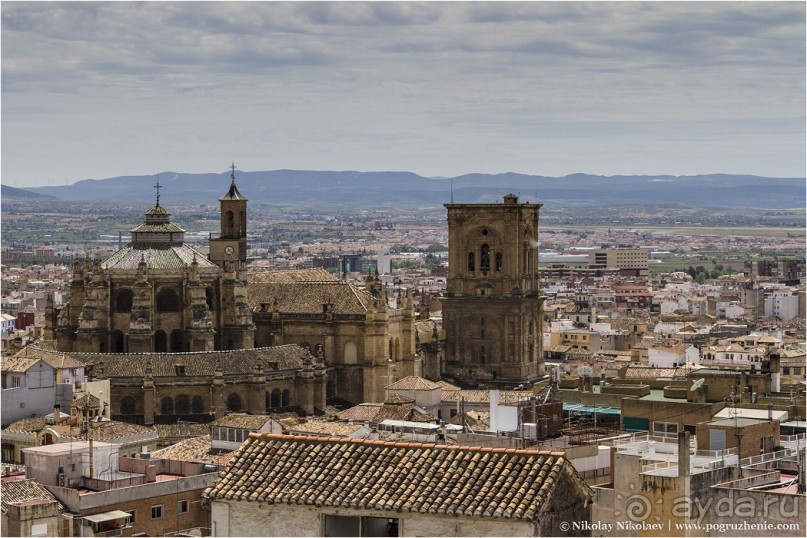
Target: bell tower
(492, 309)
(230, 248)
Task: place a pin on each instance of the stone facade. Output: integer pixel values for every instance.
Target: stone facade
(159, 294)
(366, 344)
(492, 311)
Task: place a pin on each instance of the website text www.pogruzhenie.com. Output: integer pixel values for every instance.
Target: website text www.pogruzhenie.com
(708, 528)
(744, 526)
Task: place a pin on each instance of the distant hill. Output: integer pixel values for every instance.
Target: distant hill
(405, 189)
(12, 193)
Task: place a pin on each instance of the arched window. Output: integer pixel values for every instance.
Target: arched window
(498, 261)
(471, 262)
(275, 399)
(167, 301)
(391, 349)
(118, 342)
(351, 353)
(176, 341)
(197, 405)
(484, 258)
(160, 342)
(397, 348)
(167, 406)
(123, 301)
(128, 406)
(285, 398)
(243, 218)
(229, 223)
(233, 402)
(182, 404)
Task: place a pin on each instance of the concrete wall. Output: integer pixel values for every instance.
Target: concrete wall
(20, 520)
(748, 437)
(24, 402)
(727, 505)
(233, 518)
(682, 413)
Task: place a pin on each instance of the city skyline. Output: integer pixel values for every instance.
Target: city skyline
(96, 90)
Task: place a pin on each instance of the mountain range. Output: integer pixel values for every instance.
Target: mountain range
(406, 189)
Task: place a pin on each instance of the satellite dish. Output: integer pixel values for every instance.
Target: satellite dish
(697, 384)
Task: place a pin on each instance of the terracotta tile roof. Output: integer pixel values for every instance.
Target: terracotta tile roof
(395, 399)
(27, 425)
(650, 372)
(242, 421)
(99, 431)
(304, 292)
(445, 385)
(483, 396)
(60, 361)
(391, 476)
(393, 411)
(791, 353)
(286, 277)
(88, 399)
(18, 363)
(396, 407)
(225, 458)
(425, 330)
(26, 491)
(198, 363)
(197, 449)
(364, 412)
(157, 255)
(413, 383)
(560, 348)
(326, 428)
(111, 430)
(187, 429)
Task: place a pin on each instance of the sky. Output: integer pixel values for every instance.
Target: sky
(105, 89)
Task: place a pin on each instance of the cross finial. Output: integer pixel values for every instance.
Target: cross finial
(158, 187)
(232, 174)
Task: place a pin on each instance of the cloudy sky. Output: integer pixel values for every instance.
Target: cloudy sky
(96, 90)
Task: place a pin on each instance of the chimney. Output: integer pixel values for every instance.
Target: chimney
(770, 411)
(683, 454)
(57, 413)
(776, 376)
(494, 410)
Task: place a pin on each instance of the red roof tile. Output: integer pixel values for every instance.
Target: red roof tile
(400, 476)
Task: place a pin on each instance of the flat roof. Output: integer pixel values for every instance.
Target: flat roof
(67, 448)
(739, 421)
(107, 516)
(744, 412)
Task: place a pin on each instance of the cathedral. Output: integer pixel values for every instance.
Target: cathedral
(160, 305)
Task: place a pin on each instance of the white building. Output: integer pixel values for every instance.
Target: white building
(783, 304)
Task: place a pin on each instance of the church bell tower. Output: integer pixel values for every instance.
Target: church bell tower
(492, 309)
(229, 250)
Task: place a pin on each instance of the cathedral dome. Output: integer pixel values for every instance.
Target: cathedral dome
(160, 243)
(158, 256)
